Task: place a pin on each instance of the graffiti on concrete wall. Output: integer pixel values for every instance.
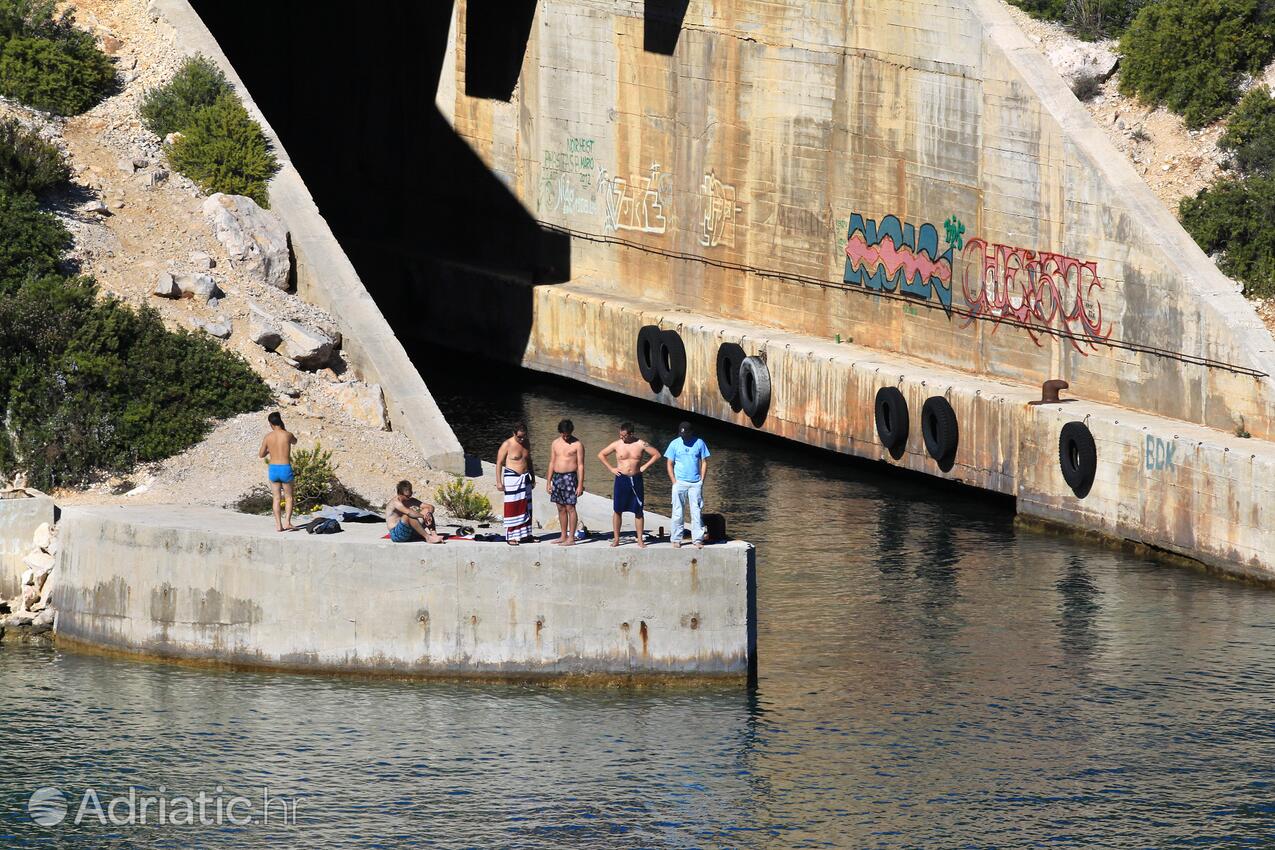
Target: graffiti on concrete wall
(568, 179)
(1158, 454)
(639, 203)
(955, 232)
(891, 256)
(719, 212)
(1043, 292)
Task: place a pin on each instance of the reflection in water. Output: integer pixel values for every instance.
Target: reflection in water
(930, 676)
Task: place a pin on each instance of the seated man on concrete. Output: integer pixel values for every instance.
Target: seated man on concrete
(408, 519)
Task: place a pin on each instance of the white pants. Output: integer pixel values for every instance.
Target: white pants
(694, 493)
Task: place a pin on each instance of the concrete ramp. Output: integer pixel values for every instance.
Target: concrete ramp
(909, 180)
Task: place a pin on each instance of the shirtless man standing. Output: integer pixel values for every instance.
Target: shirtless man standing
(566, 479)
(516, 478)
(409, 519)
(628, 494)
(277, 446)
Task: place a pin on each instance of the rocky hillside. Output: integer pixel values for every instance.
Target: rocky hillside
(1175, 162)
(218, 266)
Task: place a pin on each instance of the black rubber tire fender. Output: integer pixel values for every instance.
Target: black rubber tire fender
(1078, 457)
(670, 361)
(754, 388)
(648, 352)
(940, 431)
(892, 419)
(729, 357)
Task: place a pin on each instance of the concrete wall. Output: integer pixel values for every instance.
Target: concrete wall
(19, 518)
(729, 179)
(227, 588)
(1185, 488)
(326, 278)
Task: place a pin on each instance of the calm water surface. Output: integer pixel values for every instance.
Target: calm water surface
(930, 676)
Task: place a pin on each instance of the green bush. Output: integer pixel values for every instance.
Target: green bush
(27, 162)
(1090, 19)
(91, 385)
(32, 242)
(1086, 88)
(170, 108)
(1237, 218)
(224, 150)
(64, 76)
(1250, 132)
(459, 498)
(314, 477)
(1191, 55)
(27, 17)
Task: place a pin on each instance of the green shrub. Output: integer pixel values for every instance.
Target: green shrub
(1250, 132)
(32, 242)
(93, 385)
(1090, 19)
(27, 162)
(313, 476)
(459, 498)
(171, 107)
(1237, 218)
(1086, 88)
(224, 150)
(1190, 55)
(64, 76)
(27, 17)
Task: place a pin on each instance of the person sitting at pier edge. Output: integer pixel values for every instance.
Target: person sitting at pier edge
(408, 519)
(566, 479)
(276, 448)
(628, 494)
(516, 478)
(687, 464)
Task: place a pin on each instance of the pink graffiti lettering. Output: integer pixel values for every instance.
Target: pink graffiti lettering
(891, 259)
(1041, 292)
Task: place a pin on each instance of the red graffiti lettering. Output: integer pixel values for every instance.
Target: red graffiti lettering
(1041, 292)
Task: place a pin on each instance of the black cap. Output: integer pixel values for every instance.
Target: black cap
(684, 429)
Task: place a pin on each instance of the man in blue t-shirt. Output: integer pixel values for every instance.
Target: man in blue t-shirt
(687, 462)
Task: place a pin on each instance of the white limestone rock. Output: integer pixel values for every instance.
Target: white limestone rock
(38, 560)
(43, 536)
(201, 260)
(364, 403)
(166, 286)
(220, 327)
(200, 287)
(256, 241)
(308, 348)
(1083, 59)
(263, 328)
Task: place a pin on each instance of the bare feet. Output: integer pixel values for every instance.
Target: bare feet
(512, 542)
(615, 543)
(567, 543)
(641, 544)
(699, 545)
(677, 545)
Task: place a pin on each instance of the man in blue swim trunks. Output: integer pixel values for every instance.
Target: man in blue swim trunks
(628, 495)
(410, 520)
(277, 446)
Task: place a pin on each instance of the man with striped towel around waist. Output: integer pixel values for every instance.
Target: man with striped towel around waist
(516, 478)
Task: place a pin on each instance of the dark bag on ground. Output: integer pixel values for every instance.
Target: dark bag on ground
(714, 528)
(323, 525)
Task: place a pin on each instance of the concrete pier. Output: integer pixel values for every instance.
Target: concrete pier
(226, 588)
